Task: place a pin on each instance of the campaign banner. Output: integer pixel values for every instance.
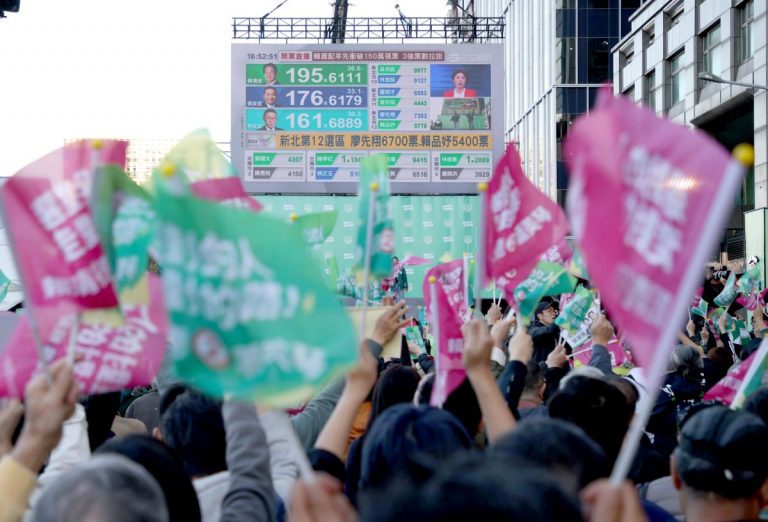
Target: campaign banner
(521, 222)
(109, 358)
(58, 250)
(450, 307)
(248, 316)
(374, 171)
(646, 200)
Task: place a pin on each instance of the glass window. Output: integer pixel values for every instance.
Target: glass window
(565, 22)
(630, 93)
(746, 16)
(599, 60)
(565, 66)
(710, 45)
(571, 100)
(676, 84)
(650, 90)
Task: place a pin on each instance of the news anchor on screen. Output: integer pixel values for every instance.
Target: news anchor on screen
(459, 86)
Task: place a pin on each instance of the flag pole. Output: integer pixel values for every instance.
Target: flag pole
(435, 318)
(367, 254)
(482, 189)
(723, 201)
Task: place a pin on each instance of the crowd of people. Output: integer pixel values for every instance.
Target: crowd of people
(524, 437)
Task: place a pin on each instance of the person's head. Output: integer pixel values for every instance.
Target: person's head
(545, 313)
(270, 118)
(192, 426)
(721, 460)
(627, 388)
(396, 385)
(581, 371)
(686, 361)
(597, 407)
(556, 445)
(459, 78)
(157, 459)
(105, 488)
(270, 96)
(758, 404)
(270, 72)
(534, 386)
(410, 442)
(395, 260)
(473, 487)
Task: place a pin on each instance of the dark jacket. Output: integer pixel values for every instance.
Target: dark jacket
(544, 340)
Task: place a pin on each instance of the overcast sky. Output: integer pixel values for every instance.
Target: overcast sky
(130, 68)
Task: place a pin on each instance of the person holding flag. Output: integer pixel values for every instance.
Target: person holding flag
(544, 332)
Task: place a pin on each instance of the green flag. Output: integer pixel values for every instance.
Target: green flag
(124, 218)
(738, 331)
(250, 314)
(316, 227)
(750, 281)
(5, 283)
(727, 296)
(374, 171)
(577, 267)
(755, 379)
(545, 279)
(700, 309)
(571, 317)
(331, 271)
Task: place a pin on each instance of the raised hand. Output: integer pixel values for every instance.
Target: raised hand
(389, 323)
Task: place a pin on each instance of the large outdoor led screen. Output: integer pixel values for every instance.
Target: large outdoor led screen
(304, 116)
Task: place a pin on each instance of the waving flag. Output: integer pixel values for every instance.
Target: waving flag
(700, 309)
(375, 172)
(573, 314)
(247, 317)
(728, 294)
(546, 279)
(450, 308)
(109, 358)
(521, 222)
(58, 249)
(646, 200)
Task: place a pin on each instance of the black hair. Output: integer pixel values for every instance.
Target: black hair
(270, 64)
(162, 464)
(396, 385)
(460, 71)
(472, 487)
(269, 110)
(597, 407)
(193, 428)
(556, 445)
(410, 442)
(534, 378)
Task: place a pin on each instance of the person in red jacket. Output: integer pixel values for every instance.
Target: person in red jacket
(459, 86)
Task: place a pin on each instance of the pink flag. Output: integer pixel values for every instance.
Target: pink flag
(58, 250)
(228, 191)
(646, 200)
(452, 311)
(560, 253)
(113, 358)
(409, 261)
(726, 388)
(521, 222)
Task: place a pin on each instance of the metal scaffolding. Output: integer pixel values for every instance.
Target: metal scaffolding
(459, 29)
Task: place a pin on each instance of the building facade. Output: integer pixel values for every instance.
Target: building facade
(677, 60)
(557, 54)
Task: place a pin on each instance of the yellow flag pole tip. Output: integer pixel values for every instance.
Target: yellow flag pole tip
(482, 186)
(744, 153)
(432, 280)
(374, 186)
(96, 144)
(293, 217)
(168, 170)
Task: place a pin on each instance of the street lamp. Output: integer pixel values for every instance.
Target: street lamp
(709, 77)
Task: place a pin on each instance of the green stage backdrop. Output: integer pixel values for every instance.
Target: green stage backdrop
(439, 228)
